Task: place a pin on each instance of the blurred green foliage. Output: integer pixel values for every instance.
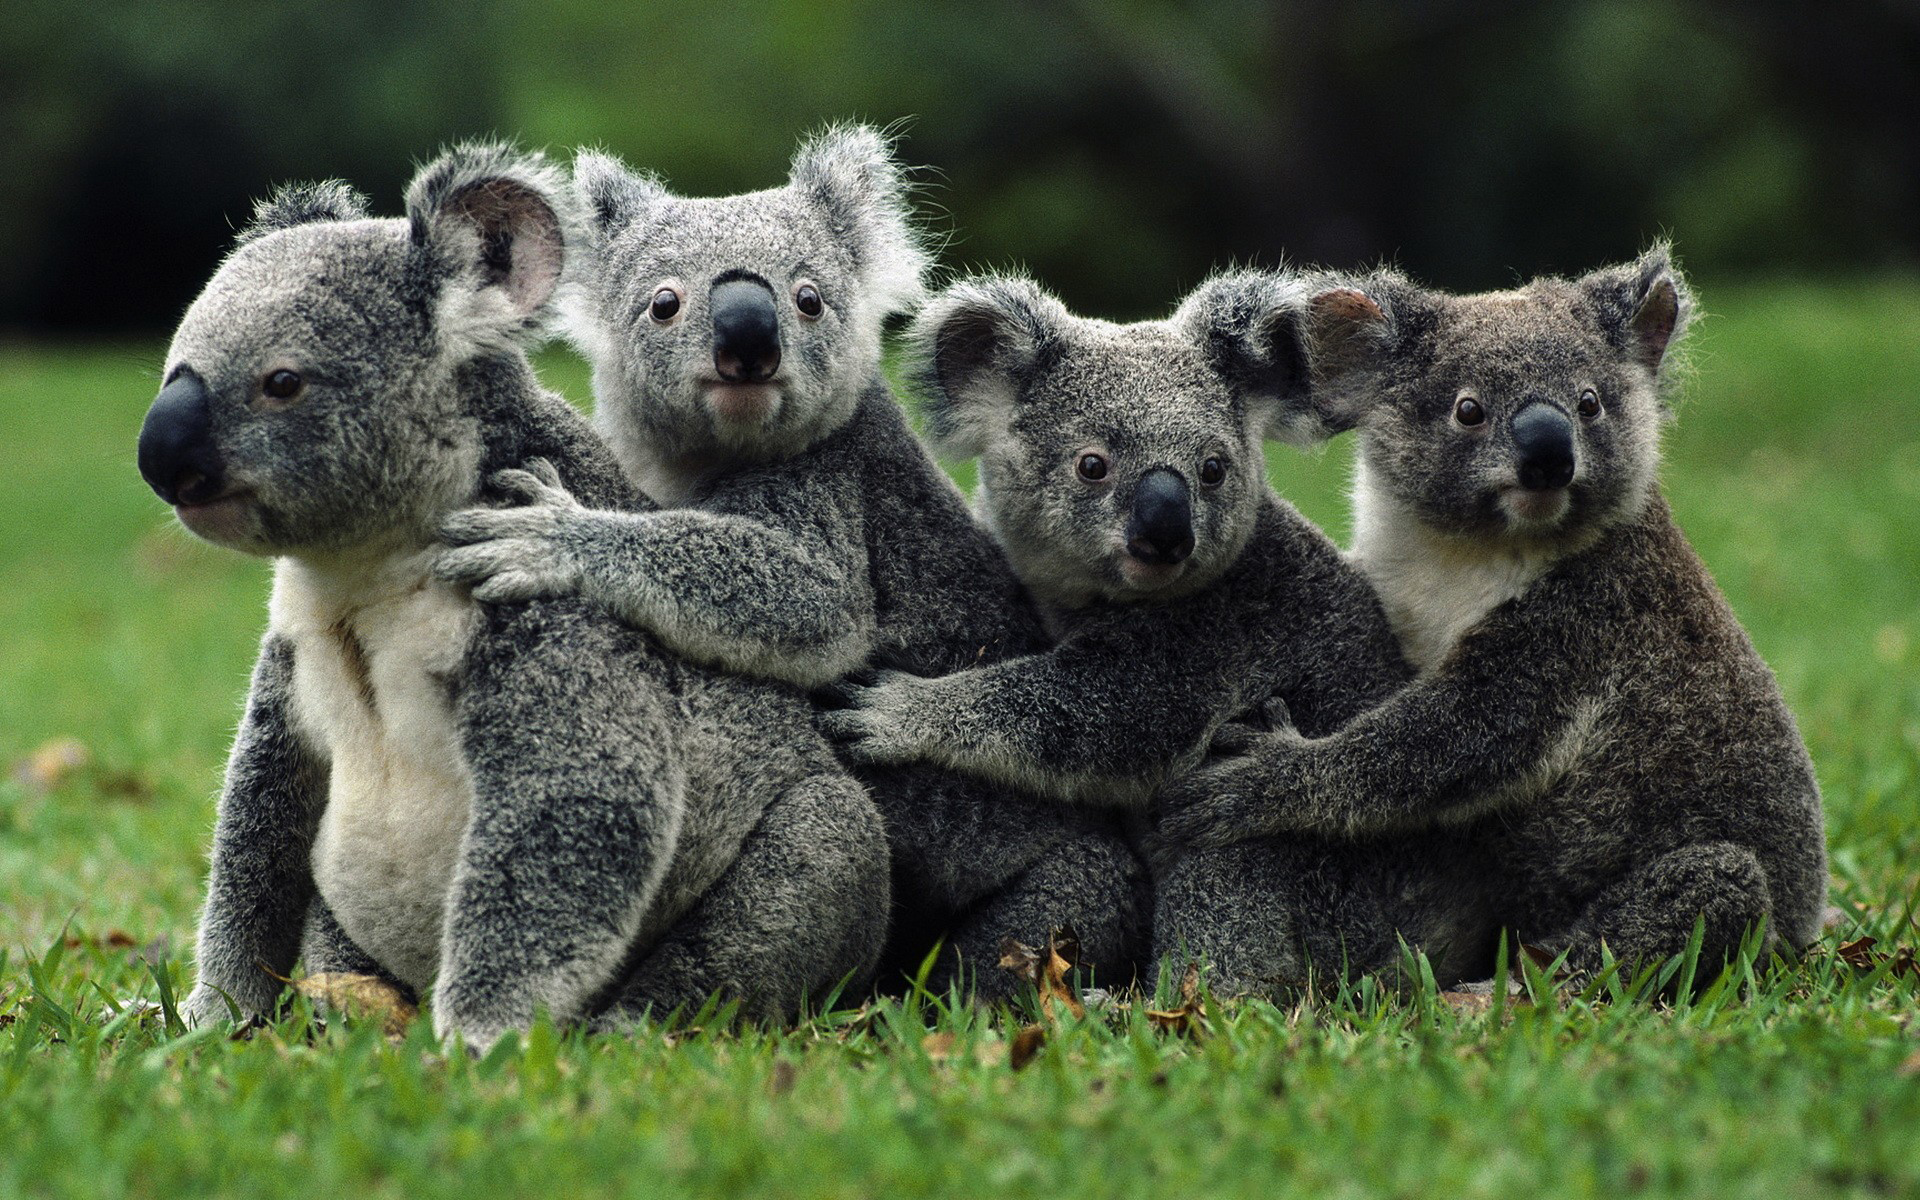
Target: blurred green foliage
(1118, 149)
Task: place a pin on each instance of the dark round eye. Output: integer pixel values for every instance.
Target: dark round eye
(281, 384)
(806, 297)
(1589, 404)
(1467, 411)
(1091, 467)
(665, 306)
(1213, 473)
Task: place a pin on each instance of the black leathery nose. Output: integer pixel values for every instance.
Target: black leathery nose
(1160, 529)
(746, 331)
(1543, 441)
(177, 455)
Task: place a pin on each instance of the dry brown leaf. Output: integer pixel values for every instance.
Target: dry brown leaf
(781, 1081)
(1469, 1002)
(1911, 1068)
(938, 1046)
(1026, 1044)
(1859, 953)
(360, 998)
(1047, 970)
(51, 764)
(1187, 1018)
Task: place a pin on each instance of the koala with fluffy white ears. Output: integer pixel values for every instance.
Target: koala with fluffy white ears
(1589, 716)
(525, 808)
(1122, 469)
(736, 345)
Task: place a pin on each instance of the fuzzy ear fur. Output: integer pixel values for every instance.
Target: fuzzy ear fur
(500, 220)
(1353, 324)
(1643, 306)
(611, 194)
(1251, 325)
(973, 348)
(300, 204)
(850, 172)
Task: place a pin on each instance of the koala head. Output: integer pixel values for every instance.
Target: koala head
(742, 326)
(311, 400)
(1533, 414)
(1117, 462)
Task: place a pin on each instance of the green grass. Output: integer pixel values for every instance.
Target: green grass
(1795, 467)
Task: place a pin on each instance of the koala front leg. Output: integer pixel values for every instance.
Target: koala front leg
(1067, 724)
(262, 874)
(578, 795)
(789, 601)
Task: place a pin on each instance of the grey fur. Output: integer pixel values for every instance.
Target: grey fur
(527, 807)
(813, 534)
(1150, 664)
(1590, 721)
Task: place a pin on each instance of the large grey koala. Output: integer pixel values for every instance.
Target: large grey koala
(736, 351)
(527, 807)
(1121, 468)
(1588, 713)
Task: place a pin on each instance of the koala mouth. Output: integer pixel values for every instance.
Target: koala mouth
(1149, 577)
(1532, 509)
(743, 403)
(224, 518)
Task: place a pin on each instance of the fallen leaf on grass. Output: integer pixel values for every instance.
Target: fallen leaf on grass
(1187, 1018)
(114, 939)
(1859, 953)
(360, 997)
(781, 1081)
(1026, 1044)
(1910, 1069)
(51, 765)
(1469, 1002)
(938, 1046)
(1047, 970)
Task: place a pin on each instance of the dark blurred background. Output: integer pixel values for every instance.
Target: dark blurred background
(1118, 150)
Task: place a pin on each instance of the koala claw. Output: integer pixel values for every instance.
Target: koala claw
(860, 718)
(534, 483)
(509, 571)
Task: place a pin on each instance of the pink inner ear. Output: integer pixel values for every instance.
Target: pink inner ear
(521, 248)
(1653, 323)
(1346, 304)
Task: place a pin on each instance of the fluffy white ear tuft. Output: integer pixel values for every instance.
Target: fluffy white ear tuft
(851, 174)
(1251, 326)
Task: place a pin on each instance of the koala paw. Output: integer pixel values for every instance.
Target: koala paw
(866, 714)
(205, 1005)
(1246, 731)
(1215, 805)
(507, 555)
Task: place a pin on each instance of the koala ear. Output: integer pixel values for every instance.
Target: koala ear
(850, 174)
(1643, 306)
(1252, 327)
(974, 347)
(498, 218)
(612, 195)
(300, 204)
(1349, 325)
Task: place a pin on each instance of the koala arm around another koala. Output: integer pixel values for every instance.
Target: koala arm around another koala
(765, 588)
(262, 877)
(1072, 723)
(1494, 723)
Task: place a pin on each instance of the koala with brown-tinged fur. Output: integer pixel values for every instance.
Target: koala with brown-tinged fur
(1589, 716)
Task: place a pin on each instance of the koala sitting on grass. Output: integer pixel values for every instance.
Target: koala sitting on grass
(529, 808)
(1588, 713)
(736, 351)
(1121, 468)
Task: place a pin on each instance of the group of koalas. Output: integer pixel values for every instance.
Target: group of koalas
(730, 692)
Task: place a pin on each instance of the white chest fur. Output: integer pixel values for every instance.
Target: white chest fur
(1435, 588)
(374, 646)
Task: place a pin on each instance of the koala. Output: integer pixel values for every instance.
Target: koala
(736, 347)
(1589, 719)
(526, 808)
(1122, 470)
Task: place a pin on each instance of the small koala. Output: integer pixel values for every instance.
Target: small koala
(527, 808)
(1121, 468)
(736, 347)
(1589, 718)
